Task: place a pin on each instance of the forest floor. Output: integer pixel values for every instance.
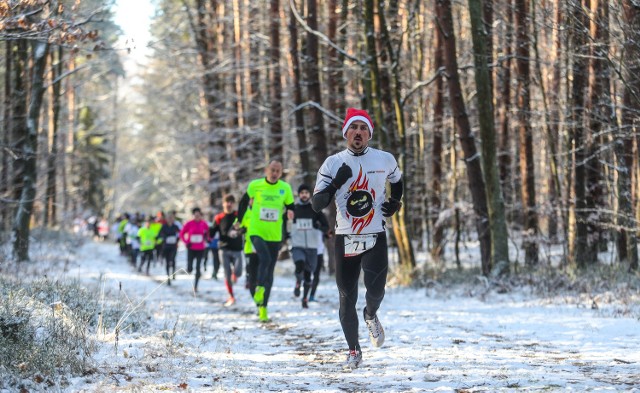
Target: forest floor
(444, 338)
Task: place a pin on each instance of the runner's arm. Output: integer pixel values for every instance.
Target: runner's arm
(397, 190)
(243, 205)
(322, 223)
(321, 199)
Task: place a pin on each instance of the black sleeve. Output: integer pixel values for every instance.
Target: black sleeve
(322, 221)
(322, 199)
(397, 190)
(213, 229)
(243, 206)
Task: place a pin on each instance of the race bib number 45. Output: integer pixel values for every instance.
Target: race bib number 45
(357, 244)
(269, 214)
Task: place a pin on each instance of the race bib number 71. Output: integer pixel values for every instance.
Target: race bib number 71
(357, 244)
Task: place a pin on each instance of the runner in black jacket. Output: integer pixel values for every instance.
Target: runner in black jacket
(170, 234)
(304, 240)
(230, 244)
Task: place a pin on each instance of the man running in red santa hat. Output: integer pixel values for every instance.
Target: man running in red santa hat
(357, 178)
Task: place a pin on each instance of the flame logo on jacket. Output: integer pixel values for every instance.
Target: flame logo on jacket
(360, 203)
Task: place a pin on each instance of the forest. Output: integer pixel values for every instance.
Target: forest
(513, 121)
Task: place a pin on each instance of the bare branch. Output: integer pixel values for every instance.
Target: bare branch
(322, 36)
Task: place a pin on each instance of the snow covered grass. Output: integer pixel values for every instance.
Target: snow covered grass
(44, 330)
(453, 331)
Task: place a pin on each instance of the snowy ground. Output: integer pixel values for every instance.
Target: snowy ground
(434, 343)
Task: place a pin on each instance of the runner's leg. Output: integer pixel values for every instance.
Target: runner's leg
(199, 255)
(226, 265)
(375, 263)
(272, 257)
(316, 276)
(347, 275)
(252, 272)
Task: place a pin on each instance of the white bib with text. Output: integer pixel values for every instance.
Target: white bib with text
(304, 224)
(267, 214)
(357, 244)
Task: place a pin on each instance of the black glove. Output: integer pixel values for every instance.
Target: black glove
(390, 207)
(343, 174)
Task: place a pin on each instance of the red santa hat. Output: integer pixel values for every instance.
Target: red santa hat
(354, 114)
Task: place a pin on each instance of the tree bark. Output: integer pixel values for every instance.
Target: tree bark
(579, 22)
(400, 228)
(25, 206)
(437, 250)
(527, 175)
(601, 119)
(301, 135)
(553, 178)
(318, 134)
(18, 132)
(276, 151)
(50, 214)
(504, 100)
(466, 137)
(7, 122)
(631, 107)
(495, 205)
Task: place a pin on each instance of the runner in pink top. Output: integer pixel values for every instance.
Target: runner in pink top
(195, 234)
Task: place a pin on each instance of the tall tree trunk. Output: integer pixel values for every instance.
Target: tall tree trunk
(25, 206)
(631, 108)
(336, 99)
(579, 23)
(236, 122)
(7, 123)
(466, 137)
(18, 132)
(553, 179)
(372, 80)
(67, 141)
(335, 63)
(301, 134)
(437, 250)
(555, 117)
(400, 228)
(50, 215)
(504, 142)
(495, 205)
(318, 134)
(276, 83)
(602, 118)
(206, 29)
(527, 175)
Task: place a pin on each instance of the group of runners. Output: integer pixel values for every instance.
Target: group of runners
(355, 178)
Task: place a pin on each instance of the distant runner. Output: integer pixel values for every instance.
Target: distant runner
(268, 197)
(195, 235)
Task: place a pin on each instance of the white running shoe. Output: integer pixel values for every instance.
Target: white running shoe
(354, 358)
(376, 332)
(230, 302)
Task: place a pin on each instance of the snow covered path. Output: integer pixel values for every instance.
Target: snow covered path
(434, 343)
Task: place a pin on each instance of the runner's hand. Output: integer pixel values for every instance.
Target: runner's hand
(343, 174)
(390, 207)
